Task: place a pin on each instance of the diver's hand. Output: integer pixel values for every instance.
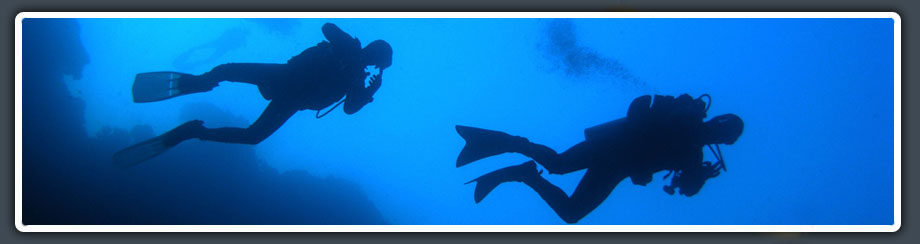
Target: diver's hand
(372, 87)
(713, 169)
(375, 82)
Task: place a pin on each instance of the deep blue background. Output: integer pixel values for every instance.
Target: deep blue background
(816, 96)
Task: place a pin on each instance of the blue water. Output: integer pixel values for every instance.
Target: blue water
(816, 96)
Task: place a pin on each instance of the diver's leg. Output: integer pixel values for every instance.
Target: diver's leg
(252, 73)
(271, 119)
(483, 143)
(593, 189)
(575, 158)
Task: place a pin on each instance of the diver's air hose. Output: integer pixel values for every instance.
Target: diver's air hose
(721, 162)
(330, 110)
(718, 154)
(708, 104)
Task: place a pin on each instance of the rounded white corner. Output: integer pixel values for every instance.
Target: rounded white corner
(21, 227)
(895, 227)
(895, 16)
(20, 16)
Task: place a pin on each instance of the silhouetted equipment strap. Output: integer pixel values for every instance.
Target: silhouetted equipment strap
(718, 154)
(330, 110)
(721, 162)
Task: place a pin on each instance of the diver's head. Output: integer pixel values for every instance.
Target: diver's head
(724, 129)
(378, 53)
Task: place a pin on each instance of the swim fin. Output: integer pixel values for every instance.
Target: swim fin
(138, 153)
(482, 143)
(486, 183)
(156, 86)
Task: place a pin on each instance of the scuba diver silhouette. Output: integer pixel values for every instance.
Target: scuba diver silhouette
(665, 135)
(315, 79)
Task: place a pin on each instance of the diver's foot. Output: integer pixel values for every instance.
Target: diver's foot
(188, 130)
(482, 143)
(152, 147)
(195, 83)
(486, 183)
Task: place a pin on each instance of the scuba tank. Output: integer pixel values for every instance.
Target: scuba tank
(611, 129)
(618, 128)
(639, 108)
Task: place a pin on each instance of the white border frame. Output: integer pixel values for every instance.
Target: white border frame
(462, 228)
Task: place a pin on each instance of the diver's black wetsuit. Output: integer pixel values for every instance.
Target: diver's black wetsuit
(669, 135)
(653, 141)
(315, 79)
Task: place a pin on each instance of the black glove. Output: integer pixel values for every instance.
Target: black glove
(372, 88)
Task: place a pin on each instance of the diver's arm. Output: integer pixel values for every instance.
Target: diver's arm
(687, 160)
(353, 104)
(271, 119)
(359, 96)
(694, 160)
